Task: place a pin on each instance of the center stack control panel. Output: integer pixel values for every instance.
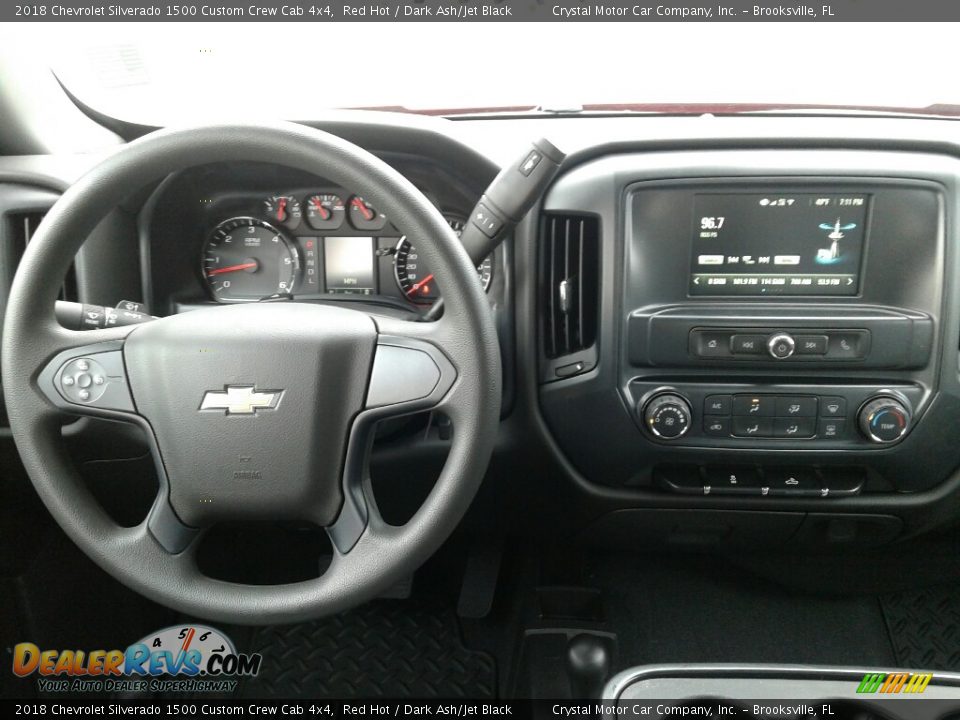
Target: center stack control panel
(822, 417)
(773, 310)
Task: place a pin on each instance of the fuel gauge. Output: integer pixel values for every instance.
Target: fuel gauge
(363, 216)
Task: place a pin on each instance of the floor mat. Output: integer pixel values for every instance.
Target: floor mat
(382, 649)
(924, 627)
(671, 609)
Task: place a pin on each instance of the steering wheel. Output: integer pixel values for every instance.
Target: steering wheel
(258, 411)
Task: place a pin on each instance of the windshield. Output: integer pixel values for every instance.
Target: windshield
(197, 72)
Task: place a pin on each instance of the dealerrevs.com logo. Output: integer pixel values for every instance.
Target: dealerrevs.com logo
(191, 658)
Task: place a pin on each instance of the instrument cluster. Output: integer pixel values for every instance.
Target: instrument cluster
(315, 243)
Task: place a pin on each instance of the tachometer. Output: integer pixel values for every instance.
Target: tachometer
(249, 259)
(416, 281)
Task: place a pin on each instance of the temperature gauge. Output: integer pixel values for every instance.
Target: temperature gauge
(325, 212)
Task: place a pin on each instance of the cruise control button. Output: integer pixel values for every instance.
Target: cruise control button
(754, 405)
(834, 407)
(811, 344)
(796, 407)
(718, 405)
(748, 344)
(745, 427)
(794, 428)
(717, 426)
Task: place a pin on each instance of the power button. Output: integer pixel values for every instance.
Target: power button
(781, 346)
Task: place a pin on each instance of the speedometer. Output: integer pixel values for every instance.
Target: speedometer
(249, 259)
(417, 282)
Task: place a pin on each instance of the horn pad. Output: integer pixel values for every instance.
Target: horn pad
(252, 405)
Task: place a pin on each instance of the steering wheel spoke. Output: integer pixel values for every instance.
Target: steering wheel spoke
(410, 374)
(90, 378)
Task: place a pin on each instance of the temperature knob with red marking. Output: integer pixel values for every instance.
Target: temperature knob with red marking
(884, 420)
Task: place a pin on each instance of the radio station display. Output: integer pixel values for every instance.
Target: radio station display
(349, 264)
(778, 244)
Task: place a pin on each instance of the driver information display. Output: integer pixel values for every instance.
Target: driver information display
(777, 244)
(349, 263)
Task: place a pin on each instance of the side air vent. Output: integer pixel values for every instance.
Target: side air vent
(569, 282)
(21, 228)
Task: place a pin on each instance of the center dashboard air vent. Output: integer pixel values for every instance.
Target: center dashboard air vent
(569, 290)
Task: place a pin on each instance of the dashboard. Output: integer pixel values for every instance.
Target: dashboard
(747, 328)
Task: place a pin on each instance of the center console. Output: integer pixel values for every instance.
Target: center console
(783, 316)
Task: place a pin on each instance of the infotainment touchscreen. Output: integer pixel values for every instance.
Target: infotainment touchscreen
(777, 244)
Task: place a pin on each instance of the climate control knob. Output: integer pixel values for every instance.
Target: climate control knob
(884, 420)
(667, 416)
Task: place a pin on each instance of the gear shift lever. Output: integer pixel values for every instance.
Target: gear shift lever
(588, 666)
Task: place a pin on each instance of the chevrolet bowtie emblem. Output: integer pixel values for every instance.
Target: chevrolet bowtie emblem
(240, 399)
